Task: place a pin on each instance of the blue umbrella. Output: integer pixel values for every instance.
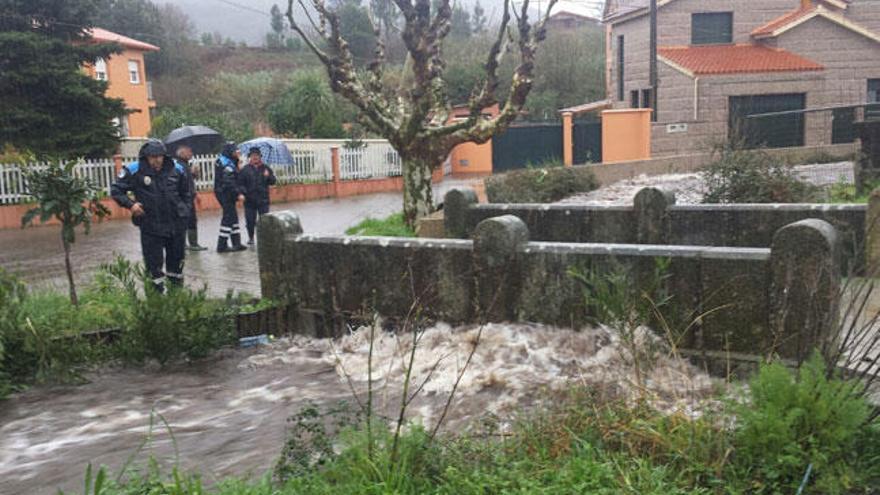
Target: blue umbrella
(274, 151)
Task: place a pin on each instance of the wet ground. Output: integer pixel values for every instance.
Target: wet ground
(36, 253)
(227, 414)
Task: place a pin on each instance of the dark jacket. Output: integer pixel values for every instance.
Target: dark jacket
(164, 195)
(226, 179)
(190, 179)
(254, 185)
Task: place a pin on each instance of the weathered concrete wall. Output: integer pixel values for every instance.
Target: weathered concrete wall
(502, 276)
(737, 225)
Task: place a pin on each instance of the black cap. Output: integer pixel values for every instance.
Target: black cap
(153, 147)
(255, 150)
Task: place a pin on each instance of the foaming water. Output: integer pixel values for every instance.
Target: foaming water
(228, 414)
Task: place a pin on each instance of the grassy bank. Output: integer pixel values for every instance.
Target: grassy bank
(391, 226)
(46, 339)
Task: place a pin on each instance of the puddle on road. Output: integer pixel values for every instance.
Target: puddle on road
(227, 414)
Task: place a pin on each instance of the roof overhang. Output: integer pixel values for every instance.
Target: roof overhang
(818, 11)
(614, 18)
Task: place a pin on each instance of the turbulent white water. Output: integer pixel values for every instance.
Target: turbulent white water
(228, 413)
(512, 361)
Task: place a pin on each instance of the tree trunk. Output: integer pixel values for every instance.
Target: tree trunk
(418, 198)
(73, 299)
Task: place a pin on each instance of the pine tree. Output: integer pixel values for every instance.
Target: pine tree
(478, 20)
(51, 107)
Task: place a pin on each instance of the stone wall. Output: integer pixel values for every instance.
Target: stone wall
(744, 294)
(739, 225)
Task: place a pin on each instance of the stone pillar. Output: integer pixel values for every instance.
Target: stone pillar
(456, 204)
(651, 206)
(497, 244)
(567, 139)
(868, 164)
(805, 266)
(872, 235)
(272, 231)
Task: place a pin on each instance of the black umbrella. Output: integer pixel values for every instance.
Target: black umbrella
(203, 140)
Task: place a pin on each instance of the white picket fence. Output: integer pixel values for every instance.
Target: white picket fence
(312, 164)
(13, 189)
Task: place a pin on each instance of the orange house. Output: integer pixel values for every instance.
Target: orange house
(127, 80)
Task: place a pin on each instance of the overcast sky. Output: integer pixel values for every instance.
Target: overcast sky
(248, 20)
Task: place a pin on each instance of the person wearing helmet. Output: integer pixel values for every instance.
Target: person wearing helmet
(254, 181)
(160, 208)
(226, 189)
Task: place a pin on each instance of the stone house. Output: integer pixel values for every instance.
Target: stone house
(720, 60)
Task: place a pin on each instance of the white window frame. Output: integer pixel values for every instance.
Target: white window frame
(101, 69)
(134, 72)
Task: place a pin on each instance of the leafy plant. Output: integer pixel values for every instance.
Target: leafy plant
(627, 305)
(739, 175)
(549, 183)
(164, 327)
(70, 199)
(306, 109)
(795, 422)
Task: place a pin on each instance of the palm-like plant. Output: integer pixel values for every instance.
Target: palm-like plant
(71, 200)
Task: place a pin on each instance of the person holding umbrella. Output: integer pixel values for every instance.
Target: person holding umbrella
(254, 181)
(227, 191)
(184, 155)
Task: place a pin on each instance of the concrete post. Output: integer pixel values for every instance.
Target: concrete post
(805, 267)
(455, 212)
(868, 165)
(272, 230)
(872, 235)
(651, 206)
(497, 242)
(334, 163)
(567, 139)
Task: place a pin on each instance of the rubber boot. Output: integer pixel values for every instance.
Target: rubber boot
(192, 236)
(236, 243)
(222, 245)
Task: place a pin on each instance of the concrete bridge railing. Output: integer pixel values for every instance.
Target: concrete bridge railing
(781, 298)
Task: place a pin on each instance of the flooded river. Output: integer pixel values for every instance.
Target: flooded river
(228, 413)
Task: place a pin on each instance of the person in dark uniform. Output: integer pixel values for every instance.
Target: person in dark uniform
(160, 208)
(227, 191)
(184, 155)
(254, 181)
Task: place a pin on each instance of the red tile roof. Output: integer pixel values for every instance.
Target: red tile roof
(104, 36)
(769, 28)
(734, 59)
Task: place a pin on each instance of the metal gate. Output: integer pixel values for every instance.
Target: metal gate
(526, 145)
(587, 136)
(776, 131)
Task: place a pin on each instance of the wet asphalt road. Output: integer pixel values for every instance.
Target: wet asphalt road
(37, 256)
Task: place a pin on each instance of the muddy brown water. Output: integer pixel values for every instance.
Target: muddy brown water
(228, 414)
(225, 420)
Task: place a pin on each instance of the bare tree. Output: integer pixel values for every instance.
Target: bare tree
(414, 117)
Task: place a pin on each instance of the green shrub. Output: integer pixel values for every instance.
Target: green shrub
(392, 226)
(753, 176)
(12, 294)
(540, 185)
(180, 323)
(796, 421)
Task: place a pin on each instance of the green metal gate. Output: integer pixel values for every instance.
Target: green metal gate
(587, 137)
(777, 131)
(526, 145)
